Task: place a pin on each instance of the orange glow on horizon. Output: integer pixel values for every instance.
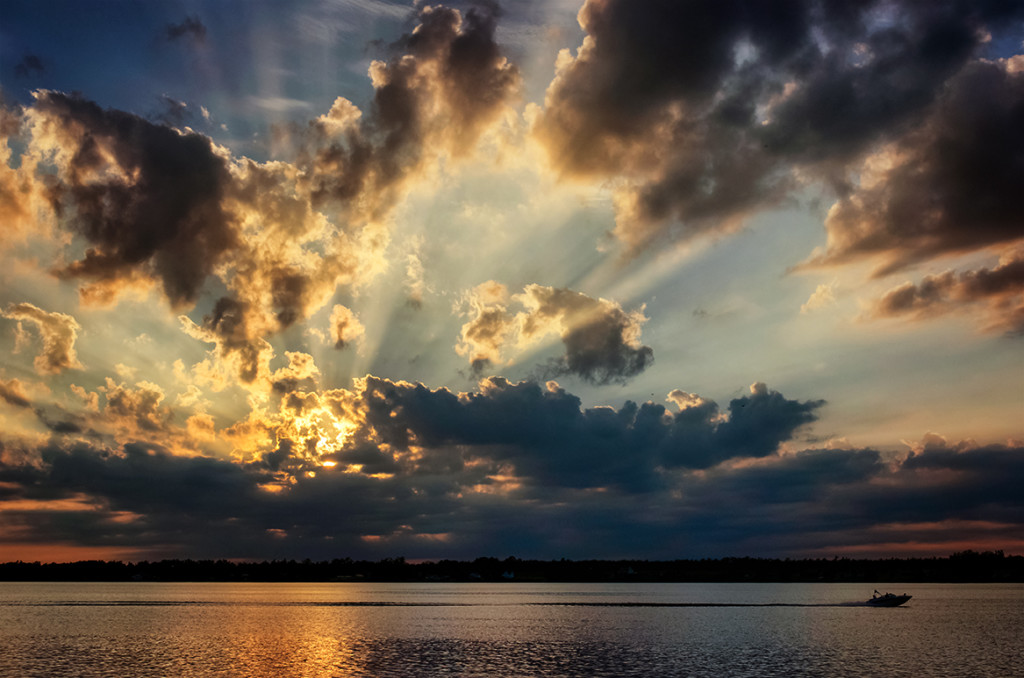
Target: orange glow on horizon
(921, 549)
(30, 552)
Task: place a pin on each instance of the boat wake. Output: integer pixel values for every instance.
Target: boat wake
(215, 603)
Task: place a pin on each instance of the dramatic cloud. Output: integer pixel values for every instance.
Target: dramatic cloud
(546, 435)
(1000, 289)
(142, 195)
(504, 433)
(433, 472)
(602, 341)
(215, 420)
(447, 82)
(259, 226)
(976, 483)
(57, 331)
(154, 203)
(538, 433)
(798, 480)
(288, 262)
(951, 184)
(703, 111)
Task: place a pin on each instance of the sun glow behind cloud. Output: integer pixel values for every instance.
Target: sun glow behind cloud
(432, 295)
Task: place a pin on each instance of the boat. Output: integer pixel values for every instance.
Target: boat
(887, 599)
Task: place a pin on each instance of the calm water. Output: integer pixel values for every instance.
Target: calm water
(509, 629)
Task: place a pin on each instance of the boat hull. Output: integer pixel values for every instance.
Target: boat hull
(888, 600)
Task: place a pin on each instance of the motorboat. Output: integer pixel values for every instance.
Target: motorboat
(887, 599)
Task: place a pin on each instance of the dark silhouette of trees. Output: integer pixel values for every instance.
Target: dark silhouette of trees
(964, 566)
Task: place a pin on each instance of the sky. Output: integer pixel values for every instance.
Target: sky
(537, 278)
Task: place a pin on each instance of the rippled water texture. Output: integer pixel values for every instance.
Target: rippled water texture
(509, 629)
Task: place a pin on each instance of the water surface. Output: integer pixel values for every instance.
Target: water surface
(507, 629)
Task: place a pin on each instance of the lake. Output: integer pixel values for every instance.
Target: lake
(507, 629)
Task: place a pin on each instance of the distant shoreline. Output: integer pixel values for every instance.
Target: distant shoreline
(962, 567)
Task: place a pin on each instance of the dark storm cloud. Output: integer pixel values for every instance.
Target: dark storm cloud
(949, 482)
(955, 181)
(545, 433)
(791, 501)
(167, 499)
(445, 83)
(601, 340)
(756, 426)
(30, 65)
(850, 501)
(937, 455)
(706, 109)
(373, 460)
(142, 496)
(190, 27)
(805, 476)
(598, 353)
(477, 80)
(143, 195)
(587, 483)
(1000, 288)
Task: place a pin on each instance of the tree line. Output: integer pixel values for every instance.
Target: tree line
(964, 566)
